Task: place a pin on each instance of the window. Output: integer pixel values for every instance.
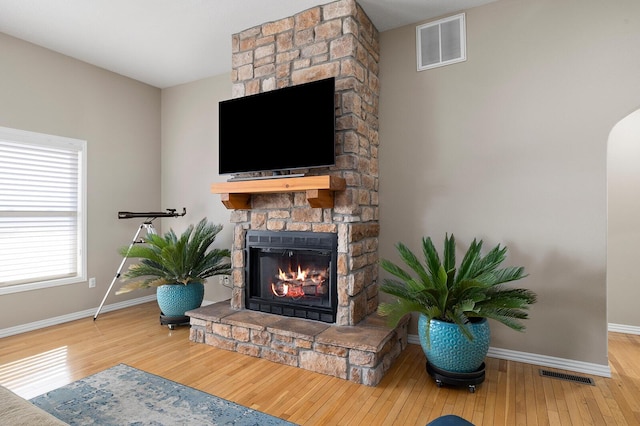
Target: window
(42, 210)
(441, 42)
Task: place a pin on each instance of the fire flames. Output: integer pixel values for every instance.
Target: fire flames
(299, 284)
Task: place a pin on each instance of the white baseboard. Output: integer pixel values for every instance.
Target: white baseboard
(23, 328)
(541, 360)
(626, 329)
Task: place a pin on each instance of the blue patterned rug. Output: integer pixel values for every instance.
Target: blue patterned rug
(123, 395)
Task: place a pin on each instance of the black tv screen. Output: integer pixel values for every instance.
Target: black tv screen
(280, 130)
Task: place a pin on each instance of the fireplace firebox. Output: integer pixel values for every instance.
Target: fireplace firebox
(292, 273)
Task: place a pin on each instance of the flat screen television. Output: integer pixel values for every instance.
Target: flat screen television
(280, 130)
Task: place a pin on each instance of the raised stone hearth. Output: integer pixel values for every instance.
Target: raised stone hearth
(361, 353)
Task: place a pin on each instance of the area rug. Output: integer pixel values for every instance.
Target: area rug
(123, 395)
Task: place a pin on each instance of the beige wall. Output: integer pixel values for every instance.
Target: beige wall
(46, 92)
(623, 234)
(510, 146)
(190, 161)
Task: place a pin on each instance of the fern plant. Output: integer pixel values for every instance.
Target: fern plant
(171, 260)
(441, 290)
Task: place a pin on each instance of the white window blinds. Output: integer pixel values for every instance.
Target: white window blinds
(41, 210)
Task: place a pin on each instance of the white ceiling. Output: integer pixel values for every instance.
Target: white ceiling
(169, 42)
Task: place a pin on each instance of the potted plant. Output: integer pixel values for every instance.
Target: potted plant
(454, 302)
(178, 267)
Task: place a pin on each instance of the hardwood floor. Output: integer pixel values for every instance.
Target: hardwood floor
(512, 393)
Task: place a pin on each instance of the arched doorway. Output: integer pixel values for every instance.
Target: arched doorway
(623, 225)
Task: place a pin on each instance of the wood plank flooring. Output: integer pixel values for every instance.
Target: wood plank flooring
(512, 393)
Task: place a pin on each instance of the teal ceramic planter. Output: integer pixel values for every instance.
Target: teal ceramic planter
(450, 350)
(176, 299)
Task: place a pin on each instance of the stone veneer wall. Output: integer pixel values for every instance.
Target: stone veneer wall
(335, 40)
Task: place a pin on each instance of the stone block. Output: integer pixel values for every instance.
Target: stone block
(355, 374)
(343, 47)
(301, 63)
(279, 214)
(258, 220)
(359, 231)
(287, 348)
(272, 201)
(219, 342)
(362, 358)
(307, 215)
(350, 26)
(324, 227)
(248, 349)
(351, 103)
(241, 58)
(261, 337)
(245, 72)
(250, 32)
(266, 50)
(284, 41)
(282, 74)
(240, 334)
(356, 283)
(223, 330)
(303, 38)
(196, 334)
(363, 197)
(247, 44)
(265, 70)
(328, 30)
(372, 376)
(324, 363)
(235, 43)
(261, 41)
(319, 59)
(339, 9)
(287, 57)
(316, 72)
(195, 322)
(351, 142)
(331, 350)
(276, 225)
(298, 226)
(280, 357)
(314, 49)
(268, 84)
(307, 19)
(279, 26)
(303, 344)
(267, 60)
(357, 262)
(252, 87)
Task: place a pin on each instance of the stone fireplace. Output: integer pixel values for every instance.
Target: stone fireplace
(331, 327)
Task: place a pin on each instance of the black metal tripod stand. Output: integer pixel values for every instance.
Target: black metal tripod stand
(147, 225)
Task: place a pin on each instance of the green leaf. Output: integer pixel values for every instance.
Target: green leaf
(169, 259)
(475, 289)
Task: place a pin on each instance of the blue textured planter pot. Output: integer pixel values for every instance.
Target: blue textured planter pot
(176, 299)
(450, 350)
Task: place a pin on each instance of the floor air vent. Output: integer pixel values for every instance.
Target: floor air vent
(567, 377)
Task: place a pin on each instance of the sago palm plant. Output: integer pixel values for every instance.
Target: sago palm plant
(171, 260)
(442, 291)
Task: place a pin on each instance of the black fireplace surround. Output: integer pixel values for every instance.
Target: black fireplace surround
(292, 273)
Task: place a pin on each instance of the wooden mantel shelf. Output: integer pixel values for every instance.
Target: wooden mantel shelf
(319, 189)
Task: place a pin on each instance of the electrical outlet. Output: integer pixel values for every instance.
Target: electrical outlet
(92, 282)
(226, 280)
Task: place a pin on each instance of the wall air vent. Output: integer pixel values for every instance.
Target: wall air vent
(441, 42)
